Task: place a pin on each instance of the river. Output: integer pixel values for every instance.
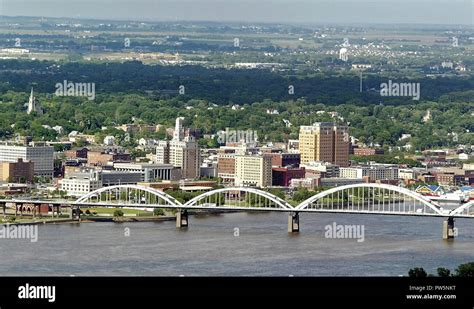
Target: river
(239, 244)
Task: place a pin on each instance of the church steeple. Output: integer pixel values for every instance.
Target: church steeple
(32, 106)
(31, 103)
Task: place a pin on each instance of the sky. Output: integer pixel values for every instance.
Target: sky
(266, 11)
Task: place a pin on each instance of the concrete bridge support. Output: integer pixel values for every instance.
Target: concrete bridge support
(18, 206)
(293, 222)
(75, 213)
(448, 228)
(182, 218)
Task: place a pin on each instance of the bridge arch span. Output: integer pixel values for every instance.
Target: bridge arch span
(371, 198)
(128, 195)
(464, 210)
(239, 198)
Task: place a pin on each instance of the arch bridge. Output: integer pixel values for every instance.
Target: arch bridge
(364, 198)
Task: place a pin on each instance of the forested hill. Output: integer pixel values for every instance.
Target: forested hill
(222, 86)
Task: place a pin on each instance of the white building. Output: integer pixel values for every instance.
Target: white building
(330, 170)
(17, 51)
(406, 173)
(447, 65)
(373, 171)
(109, 140)
(308, 183)
(79, 186)
(58, 129)
(150, 172)
(42, 157)
(253, 170)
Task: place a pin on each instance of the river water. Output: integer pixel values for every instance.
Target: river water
(239, 244)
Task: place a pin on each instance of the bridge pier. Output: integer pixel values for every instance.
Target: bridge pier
(182, 218)
(293, 222)
(448, 228)
(75, 213)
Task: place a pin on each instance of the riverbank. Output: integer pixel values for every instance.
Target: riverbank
(106, 217)
(88, 219)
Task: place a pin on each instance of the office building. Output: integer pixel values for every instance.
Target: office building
(80, 185)
(182, 151)
(372, 171)
(150, 172)
(285, 159)
(226, 165)
(101, 158)
(19, 171)
(282, 176)
(363, 152)
(253, 170)
(324, 141)
(321, 169)
(42, 157)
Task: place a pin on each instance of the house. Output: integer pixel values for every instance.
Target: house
(428, 190)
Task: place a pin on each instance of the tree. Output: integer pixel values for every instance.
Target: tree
(302, 194)
(443, 272)
(277, 192)
(158, 212)
(417, 272)
(465, 270)
(118, 213)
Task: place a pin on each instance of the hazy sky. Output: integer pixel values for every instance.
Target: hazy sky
(284, 11)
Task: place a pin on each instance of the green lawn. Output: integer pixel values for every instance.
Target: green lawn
(106, 210)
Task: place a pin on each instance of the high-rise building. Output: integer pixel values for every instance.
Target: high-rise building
(178, 134)
(42, 156)
(226, 165)
(324, 141)
(163, 152)
(251, 170)
(181, 152)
